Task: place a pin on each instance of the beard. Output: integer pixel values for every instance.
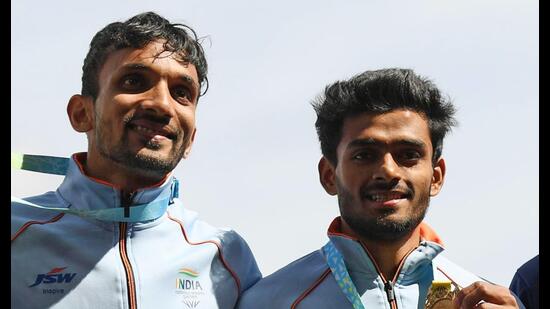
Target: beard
(380, 227)
(149, 163)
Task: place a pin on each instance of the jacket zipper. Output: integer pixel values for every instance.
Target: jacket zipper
(388, 285)
(130, 283)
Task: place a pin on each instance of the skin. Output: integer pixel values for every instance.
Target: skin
(384, 178)
(493, 296)
(389, 156)
(143, 120)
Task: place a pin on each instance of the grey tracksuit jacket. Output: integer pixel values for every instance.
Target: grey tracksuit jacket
(176, 261)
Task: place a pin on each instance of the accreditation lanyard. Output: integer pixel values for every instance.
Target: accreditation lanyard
(336, 263)
(59, 166)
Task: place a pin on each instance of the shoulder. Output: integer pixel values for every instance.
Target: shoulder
(525, 283)
(197, 230)
(283, 287)
(234, 253)
(234, 247)
(238, 259)
(454, 272)
(194, 229)
(23, 215)
(530, 270)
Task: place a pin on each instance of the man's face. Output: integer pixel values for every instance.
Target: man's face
(384, 176)
(144, 114)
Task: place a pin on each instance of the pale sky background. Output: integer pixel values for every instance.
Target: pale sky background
(254, 162)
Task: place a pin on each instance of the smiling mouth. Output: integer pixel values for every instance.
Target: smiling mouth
(386, 196)
(151, 132)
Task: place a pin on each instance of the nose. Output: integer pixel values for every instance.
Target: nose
(159, 100)
(388, 170)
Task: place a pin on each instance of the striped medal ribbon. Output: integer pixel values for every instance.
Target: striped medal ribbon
(59, 166)
(336, 263)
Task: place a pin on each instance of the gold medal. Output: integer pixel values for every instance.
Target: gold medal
(441, 295)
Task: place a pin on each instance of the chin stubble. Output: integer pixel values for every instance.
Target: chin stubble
(380, 228)
(148, 163)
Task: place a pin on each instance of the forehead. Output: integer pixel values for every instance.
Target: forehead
(387, 128)
(152, 56)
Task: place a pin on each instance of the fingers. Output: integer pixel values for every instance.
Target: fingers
(493, 296)
(488, 306)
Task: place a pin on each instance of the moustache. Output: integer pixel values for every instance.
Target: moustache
(364, 191)
(163, 123)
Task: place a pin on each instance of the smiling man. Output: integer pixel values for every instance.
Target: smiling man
(115, 234)
(381, 135)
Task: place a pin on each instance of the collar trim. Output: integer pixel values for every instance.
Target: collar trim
(426, 232)
(80, 159)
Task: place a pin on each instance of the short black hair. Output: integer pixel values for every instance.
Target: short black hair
(137, 32)
(378, 92)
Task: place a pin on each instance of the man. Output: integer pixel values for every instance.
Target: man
(525, 283)
(381, 135)
(114, 234)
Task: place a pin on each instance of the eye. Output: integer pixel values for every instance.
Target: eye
(133, 82)
(182, 94)
(364, 155)
(409, 156)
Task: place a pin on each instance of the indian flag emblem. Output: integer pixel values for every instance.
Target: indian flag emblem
(189, 272)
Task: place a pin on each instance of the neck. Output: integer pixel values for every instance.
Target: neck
(118, 176)
(388, 255)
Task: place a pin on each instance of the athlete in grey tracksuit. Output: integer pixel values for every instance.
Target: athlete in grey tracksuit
(175, 261)
(309, 282)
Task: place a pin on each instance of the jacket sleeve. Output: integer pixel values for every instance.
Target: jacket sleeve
(240, 260)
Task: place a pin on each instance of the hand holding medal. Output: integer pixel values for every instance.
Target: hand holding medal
(485, 295)
(441, 295)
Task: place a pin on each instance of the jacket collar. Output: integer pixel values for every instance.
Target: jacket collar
(87, 193)
(359, 262)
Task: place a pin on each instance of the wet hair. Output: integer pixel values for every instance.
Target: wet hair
(137, 32)
(378, 92)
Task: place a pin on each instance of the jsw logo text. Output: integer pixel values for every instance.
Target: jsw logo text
(54, 276)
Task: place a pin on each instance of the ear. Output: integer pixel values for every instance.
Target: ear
(81, 113)
(327, 176)
(188, 150)
(438, 177)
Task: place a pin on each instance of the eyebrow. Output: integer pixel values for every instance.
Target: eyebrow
(365, 142)
(141, 67)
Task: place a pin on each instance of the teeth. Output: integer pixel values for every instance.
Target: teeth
(385, 197)
(143, 129)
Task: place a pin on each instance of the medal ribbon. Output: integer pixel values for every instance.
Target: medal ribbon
(336, 263)
(59, 166)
